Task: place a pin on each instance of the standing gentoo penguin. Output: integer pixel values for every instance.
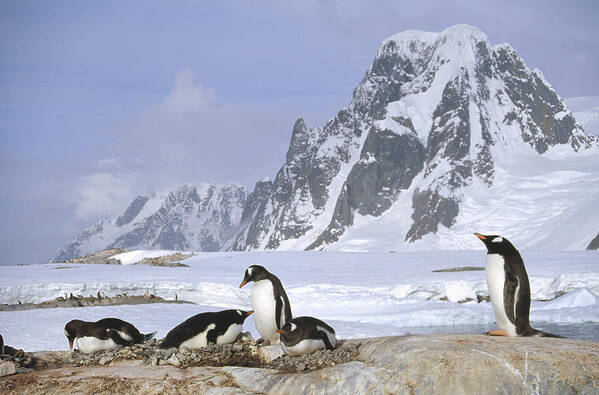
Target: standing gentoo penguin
(303, 335)
(509, 288)
(269, 301)
(222, 327)
(104, 334)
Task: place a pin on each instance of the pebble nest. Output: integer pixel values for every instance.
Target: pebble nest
(244, 352)
(23, 361)
(317, 360)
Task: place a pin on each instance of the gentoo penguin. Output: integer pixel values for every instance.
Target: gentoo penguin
(222, 327)
(1, 345)
(303, 335)
(269, 301)
(509, 288)
(104, 334)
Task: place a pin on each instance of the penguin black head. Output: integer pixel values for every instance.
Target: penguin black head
(241, 315)
(71, 330)
(254, 273)
(497, 244)
(291, 332)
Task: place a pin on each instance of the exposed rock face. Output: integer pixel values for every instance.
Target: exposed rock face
(594, 244)
(408, 364)
(132, 211)
(426, 120)
(199, 217)
(430, 125)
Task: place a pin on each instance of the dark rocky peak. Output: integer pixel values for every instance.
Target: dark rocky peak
(132, 211)
(300, 141)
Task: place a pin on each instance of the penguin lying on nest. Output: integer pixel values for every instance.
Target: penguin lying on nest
(222, 327)
(104, 334)
(303, 335)
(509, 288)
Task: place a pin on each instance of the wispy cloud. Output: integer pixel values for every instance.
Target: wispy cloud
(100, 195)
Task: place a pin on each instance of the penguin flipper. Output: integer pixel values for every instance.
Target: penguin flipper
(117, 338)
(282, 306)
(325, 339)
(509, 294)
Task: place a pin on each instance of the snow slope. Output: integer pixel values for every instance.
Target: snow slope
(544, 202)
(360, 294)
(586, 112)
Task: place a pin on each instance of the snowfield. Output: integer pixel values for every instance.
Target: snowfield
(359, 294)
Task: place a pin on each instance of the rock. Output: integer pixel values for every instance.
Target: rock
(270, 353)
(105, 359)
(406, 364)
(173, 360)
(7, 367)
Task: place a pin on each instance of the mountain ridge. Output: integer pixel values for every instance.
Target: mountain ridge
(439, 123)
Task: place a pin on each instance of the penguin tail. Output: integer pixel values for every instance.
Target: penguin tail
(538, 333)
(546, 334)
(148, 336)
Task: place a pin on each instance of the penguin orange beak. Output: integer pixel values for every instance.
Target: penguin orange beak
(281, 331)
(242, 283)
(70, 344)
(249, 313)
(480, 236)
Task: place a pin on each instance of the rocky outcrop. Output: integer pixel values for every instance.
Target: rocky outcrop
(406, 364)
(594, 244)
(429, 118)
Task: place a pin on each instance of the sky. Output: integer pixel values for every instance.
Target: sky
(101, 101)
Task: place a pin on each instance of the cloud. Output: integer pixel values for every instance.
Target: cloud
(187, 96)
(108, 163)
(101, 195)
(191, 135)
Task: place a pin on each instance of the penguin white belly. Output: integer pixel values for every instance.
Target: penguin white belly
(495, 271)
(230, 335)
(263, 304)
(89, 344)
(200, 340)
(305, 346)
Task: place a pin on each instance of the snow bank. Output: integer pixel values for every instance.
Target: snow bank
(360, 294)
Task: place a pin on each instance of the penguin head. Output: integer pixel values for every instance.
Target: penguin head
(291, 332)
(254, 273)
(241, 315)
(497, 245)
(71, 330)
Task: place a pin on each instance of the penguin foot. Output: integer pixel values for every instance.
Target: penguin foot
(496, 333)
(263, 342)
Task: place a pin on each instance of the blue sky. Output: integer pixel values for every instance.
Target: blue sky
(104, 100)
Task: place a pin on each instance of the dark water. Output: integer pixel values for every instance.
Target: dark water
(585, 331)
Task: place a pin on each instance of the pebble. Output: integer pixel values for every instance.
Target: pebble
(245, 352)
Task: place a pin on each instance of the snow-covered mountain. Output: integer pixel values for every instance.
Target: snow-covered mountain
(445, 135)
(199, 217)
(586, 112)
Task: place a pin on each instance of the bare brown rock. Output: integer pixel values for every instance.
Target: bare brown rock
(400, 364)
